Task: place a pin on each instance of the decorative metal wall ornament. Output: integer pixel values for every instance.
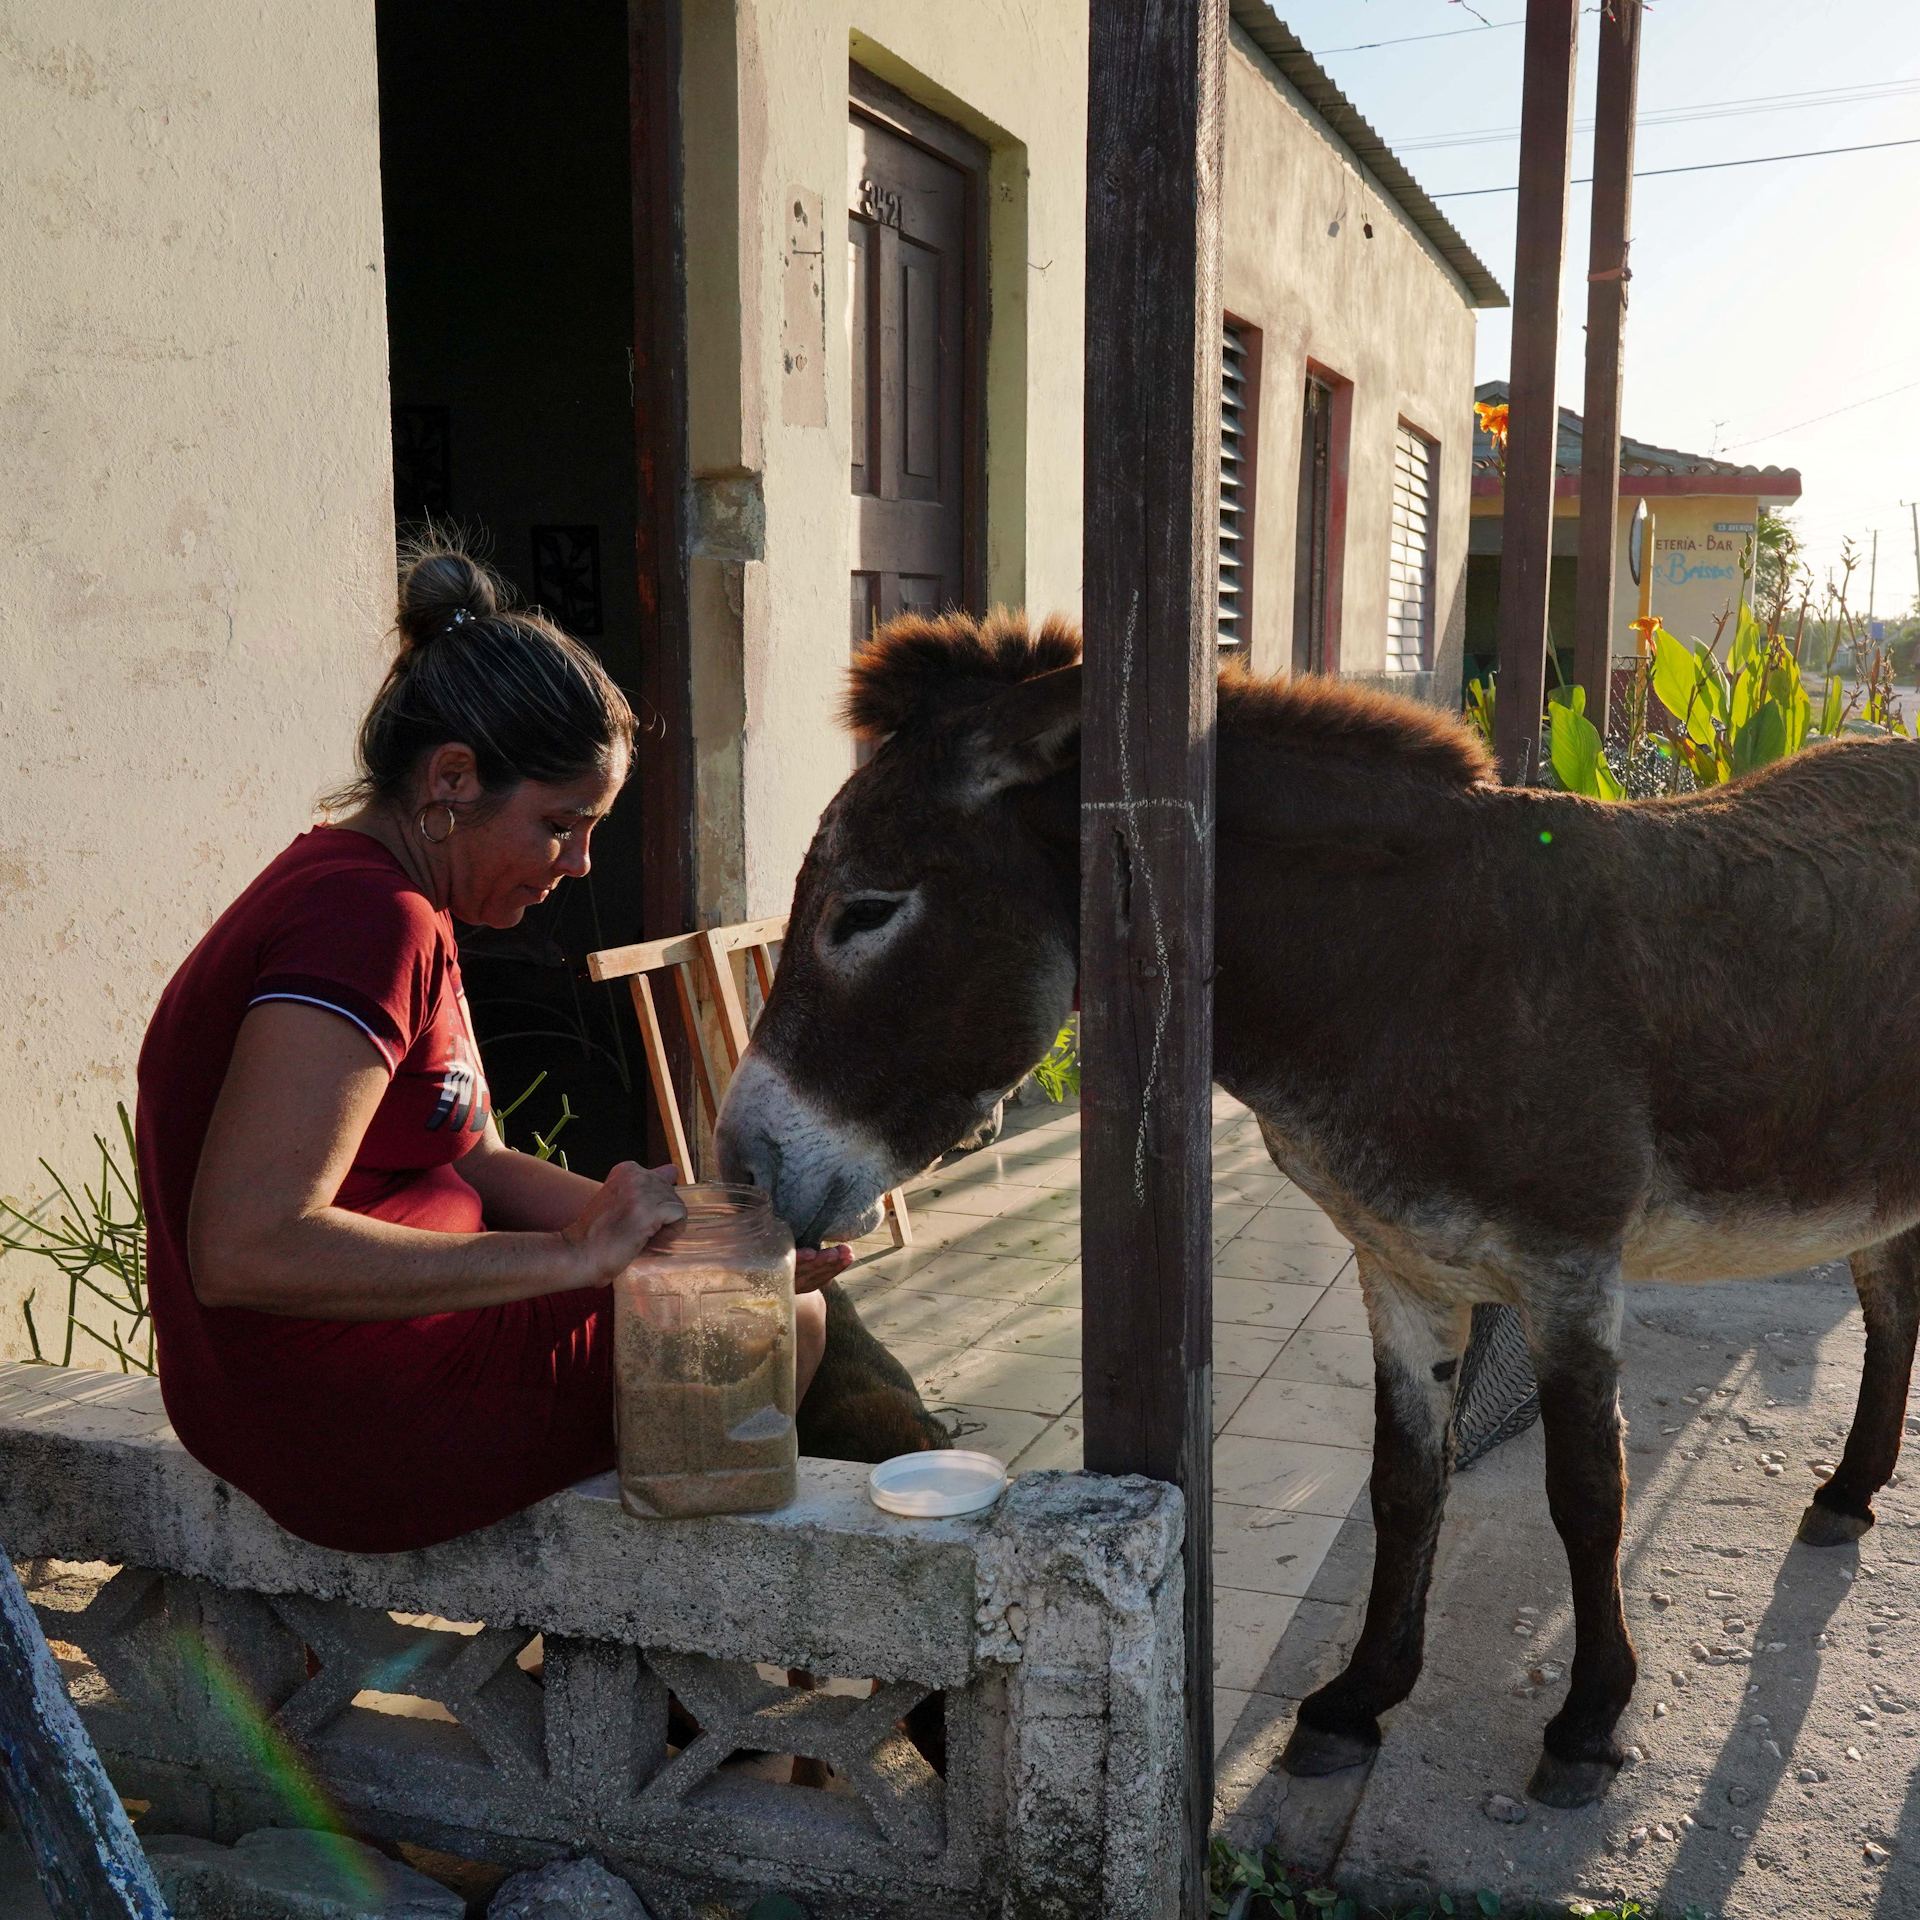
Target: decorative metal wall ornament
(566, 577)
(422, 463)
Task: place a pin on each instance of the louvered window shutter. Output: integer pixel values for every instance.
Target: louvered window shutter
(1236, 488)
(1410, 565)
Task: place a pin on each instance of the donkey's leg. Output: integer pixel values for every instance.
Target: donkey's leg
(1575, 1343)
(1416, 1354)
(1888, 1280)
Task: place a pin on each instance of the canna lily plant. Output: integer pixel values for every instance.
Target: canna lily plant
(1492, 415)
(1579, 763)
(1725, 720)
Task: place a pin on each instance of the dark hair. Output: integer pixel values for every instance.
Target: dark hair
(531, 703)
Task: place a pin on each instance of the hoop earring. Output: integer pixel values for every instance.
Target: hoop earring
(420, 823)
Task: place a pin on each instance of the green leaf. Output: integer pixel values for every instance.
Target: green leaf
(1799, 712)
(1747, 695)
(1489, 1900)
(1832, 707)
(1568, 694)
(1446, 1903)
(1747, 640)
(1715, 688)
(1761, 741)
(1677, 686)
(1321, 1898)
(1578, 762)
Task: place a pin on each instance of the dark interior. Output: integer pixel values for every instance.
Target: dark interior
(505, 172)
(1483, 615)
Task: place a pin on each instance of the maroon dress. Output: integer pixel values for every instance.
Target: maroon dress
(373, 1436)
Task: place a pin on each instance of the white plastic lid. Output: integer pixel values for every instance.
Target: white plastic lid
(937, 1485)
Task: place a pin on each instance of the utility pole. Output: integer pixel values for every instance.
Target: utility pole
(1526, 559)
(1155, 76)
(1610, 238)
(1873, 579)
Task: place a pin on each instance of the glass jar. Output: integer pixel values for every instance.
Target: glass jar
(703, 1361)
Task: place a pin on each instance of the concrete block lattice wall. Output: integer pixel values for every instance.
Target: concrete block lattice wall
(251, 1678)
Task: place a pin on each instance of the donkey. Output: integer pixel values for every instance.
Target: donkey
(1519, 1045)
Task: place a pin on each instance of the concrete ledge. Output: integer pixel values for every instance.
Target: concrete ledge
(1046, 1633)
(90, 1470)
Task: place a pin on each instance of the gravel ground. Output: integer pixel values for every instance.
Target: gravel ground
(1778, 1711)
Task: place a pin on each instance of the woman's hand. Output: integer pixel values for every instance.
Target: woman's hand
(813, 1267)
(610, 1232)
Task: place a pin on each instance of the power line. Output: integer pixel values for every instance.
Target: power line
(1850, 407)
(1368, 46)
(1705, 166)
(1678, 116)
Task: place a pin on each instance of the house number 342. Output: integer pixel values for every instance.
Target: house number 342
(881, 204)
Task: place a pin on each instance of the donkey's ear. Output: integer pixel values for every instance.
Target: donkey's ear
(1026, 734)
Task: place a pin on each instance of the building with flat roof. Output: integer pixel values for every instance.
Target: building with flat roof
(1706, 510)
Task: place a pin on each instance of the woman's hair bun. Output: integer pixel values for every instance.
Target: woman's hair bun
(439, 583)
(501, 680)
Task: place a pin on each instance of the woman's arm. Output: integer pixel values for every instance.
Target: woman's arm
(263, 1231)
(521, 1192)
(517, 1190)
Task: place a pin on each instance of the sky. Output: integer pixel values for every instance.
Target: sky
(1763, 297)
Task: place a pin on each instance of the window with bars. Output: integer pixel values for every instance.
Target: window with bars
(1239, 427)
(1410, 563)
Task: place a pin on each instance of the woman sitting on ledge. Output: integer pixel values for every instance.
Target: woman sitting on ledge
(374, 1318)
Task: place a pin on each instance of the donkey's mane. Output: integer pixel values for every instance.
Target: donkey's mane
(1337, 718)
(919, 665)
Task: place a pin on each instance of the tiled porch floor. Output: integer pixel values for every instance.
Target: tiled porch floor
(984, 1310)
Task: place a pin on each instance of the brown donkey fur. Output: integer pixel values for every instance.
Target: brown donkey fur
(1521, 1047)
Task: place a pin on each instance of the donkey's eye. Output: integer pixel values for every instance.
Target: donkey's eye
(862, 916)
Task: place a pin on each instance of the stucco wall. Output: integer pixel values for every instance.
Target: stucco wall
(766, 105)
(1696, 574)
(196, 500)
(1696, 568)
(1382, 312)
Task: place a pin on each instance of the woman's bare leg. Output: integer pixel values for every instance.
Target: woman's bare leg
(809, 1338)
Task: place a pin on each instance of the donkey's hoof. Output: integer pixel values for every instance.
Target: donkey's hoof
(1313, 1751)
(1570, 1783)
(1823, 1527)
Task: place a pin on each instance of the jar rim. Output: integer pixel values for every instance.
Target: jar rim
(715, 1199)
(720, 1215)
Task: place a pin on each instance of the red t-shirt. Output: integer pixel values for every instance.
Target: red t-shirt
(377, 1435)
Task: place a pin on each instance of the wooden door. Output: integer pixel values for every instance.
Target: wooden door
(913, 235)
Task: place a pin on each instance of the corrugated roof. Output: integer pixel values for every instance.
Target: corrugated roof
(1638, 458)
(1283, 47)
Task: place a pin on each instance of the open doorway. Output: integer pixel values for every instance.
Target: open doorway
(506, 182)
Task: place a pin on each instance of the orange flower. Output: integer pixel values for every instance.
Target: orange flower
(1493, 419)
(1646, 629)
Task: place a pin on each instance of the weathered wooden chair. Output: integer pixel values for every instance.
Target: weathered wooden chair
(690, 957)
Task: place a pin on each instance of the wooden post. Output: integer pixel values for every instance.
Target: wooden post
(90, 1864)
(664, 752)
(1594, 640)
(1150, 558)
(1533, 425)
